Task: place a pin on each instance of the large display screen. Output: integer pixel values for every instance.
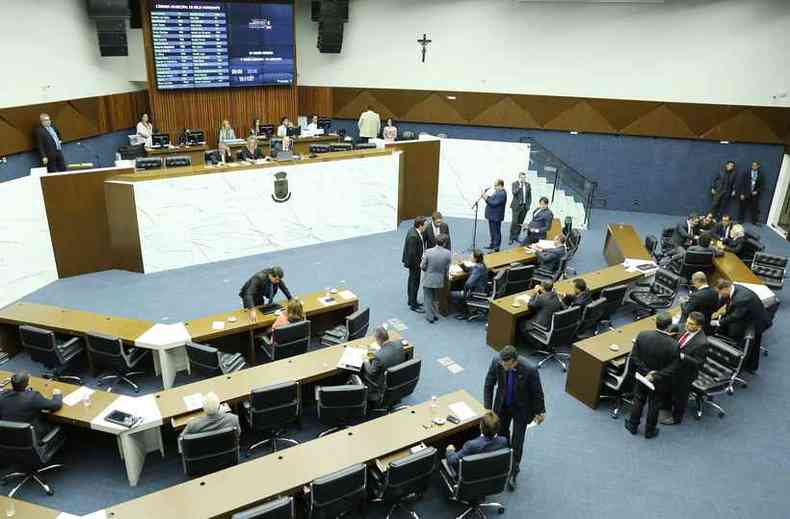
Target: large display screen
(209, 44)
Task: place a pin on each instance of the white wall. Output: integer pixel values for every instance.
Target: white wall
(52, 42)
(703, 51)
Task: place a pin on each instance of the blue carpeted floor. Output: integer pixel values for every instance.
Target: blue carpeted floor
(580, 463)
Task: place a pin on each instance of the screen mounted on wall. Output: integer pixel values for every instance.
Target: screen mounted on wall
(209, 44)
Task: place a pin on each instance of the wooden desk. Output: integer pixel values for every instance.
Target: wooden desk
(503, 317)
(196, 153)
(590, 356)
(731, 267)
(25, 510)
(287, 471)
(306, 368)
(623, 242)
(494, 262)
(301, 145)
(64, 320)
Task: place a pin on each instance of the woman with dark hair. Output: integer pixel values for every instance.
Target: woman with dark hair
(390, 131)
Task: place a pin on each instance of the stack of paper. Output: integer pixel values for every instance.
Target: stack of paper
(77, 396)
(462, 411)
(352, 359)
(218, 325)
(455, 269)
(347, 294)
(193, 401)
(544, 244)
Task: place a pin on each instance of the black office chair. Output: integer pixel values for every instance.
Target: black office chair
(338, 494)
(282, 508)
(341, 406)
(651, 244)
(356, 327)
(618, 381)
(404, 480)
(271, 410)
(478, 476)
(209, 361)
(614, 297)
(667, 241)
(480, 302)
(564, 325)
(659, 296)
(751, 247)
(203, 453)
(57, 353)
(771, 313)
(399, 382)
(519, 279)
(591, 316)
(287, 341)
(572, 243)
(770, 269)
(719, 372)
(543, 274)
(109, 352)
(695, 261)
(20, 445)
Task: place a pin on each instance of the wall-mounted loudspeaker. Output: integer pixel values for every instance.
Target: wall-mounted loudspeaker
(111, 17)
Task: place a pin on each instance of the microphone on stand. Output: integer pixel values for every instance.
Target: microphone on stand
(482, 195)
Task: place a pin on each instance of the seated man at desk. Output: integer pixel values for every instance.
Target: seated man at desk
(475, 283)
(391, 353)
(580, 297)
(214, 418)
(488, 441)
(550, 258)
(703, 245)
(723, 230)
(736, 243)
(540, 223)
(261, 288)
(285, 124)
(251, 151)
(543, 305)
(686, 232)
(20, 405)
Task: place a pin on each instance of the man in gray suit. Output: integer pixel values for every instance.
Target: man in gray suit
(436, 265)
(214, 419)
(391, 353)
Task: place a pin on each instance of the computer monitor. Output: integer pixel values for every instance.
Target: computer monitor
(179, 161)
(325, 123)
(267, 130)
(365, 146)
(196, 137)
(296, 131)
(160, 140)
(145, 163)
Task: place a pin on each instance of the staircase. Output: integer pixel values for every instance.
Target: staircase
(564, 204)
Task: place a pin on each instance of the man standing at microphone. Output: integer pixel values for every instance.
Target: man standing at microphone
(495, 213)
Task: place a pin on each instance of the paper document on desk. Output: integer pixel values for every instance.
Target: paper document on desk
(77, 396)
(649, 385)
(646, 267)
(347, 294)
(101, 514)
(524, 298)
(218, 325)
(194, 401)
(462, 411)
(544, 244)
(455, 270)
(352, 359)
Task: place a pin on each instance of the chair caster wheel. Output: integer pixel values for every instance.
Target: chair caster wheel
(564, 370)
(50, 492)
(721, 415)
(697, 416)
(730, 391)
(137, 390)
(501, 510)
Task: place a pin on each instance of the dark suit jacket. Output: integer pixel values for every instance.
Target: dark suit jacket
(529, 392)
(744, 310)
(495, 206)
(684, 371)
(655, 351)
(550, 258)
(259, 287)
(744, 185)
(545, 305)
(245, 154)
(582, 299)
(26, 406)
(723, 183)
(478, 278)
(390, 354)
(478, 445)
(430, 239)
(720, 230)
(681, 234)
(45, 144)
(737, 245)
(705, 300)
(519, 197)
(413, 249)
(541, 220)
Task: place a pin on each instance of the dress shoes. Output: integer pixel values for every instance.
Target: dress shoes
(512, 483)
(670, 421)
(630, 428)
(431, 321)
(417, 309)
(651, 434)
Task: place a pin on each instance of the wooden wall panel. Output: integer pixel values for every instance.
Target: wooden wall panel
(769, 125)
(123, 226)
(315, 100)
(204, 109)
(76, 119)
(418, 189)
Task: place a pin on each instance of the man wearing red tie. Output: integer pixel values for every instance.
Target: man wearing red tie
(693, 345)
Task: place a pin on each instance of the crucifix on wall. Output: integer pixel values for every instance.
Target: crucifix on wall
(424, 42)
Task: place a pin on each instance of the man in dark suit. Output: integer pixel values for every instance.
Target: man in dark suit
(21, 405)
(543, 305)
(413, 249)
(750, 185)
(251, 151)
(702, 299)
(519, 205)
(653, 353)
(550, 258)
(434, 228)
(475, 283)
(684, 234)
(723, 188)
(723, 230)
(744, 311)
(49, 145)
(488, 441)
(693, 346)
(261, 288)
(519, 398)
(580, 297)
(495, 213)
(539, 225)
(391, 353)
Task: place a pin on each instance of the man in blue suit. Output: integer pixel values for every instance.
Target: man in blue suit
(488, 441)
(539, 226)
(495, 213)
(475, 283)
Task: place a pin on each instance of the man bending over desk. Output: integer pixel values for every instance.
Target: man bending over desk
(261, 288)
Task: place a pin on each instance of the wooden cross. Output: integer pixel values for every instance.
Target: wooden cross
(424, 42)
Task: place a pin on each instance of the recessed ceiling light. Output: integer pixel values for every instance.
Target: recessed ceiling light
(451, 98)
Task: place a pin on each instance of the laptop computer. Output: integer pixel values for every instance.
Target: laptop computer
(284, 155)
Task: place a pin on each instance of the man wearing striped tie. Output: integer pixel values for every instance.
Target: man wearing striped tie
(693, 345)
(49, 145)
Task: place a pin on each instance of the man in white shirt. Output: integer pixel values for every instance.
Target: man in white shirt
(313, 126)
(369, 125)
(282, 130)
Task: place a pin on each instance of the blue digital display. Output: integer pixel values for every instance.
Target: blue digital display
(209, 44)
